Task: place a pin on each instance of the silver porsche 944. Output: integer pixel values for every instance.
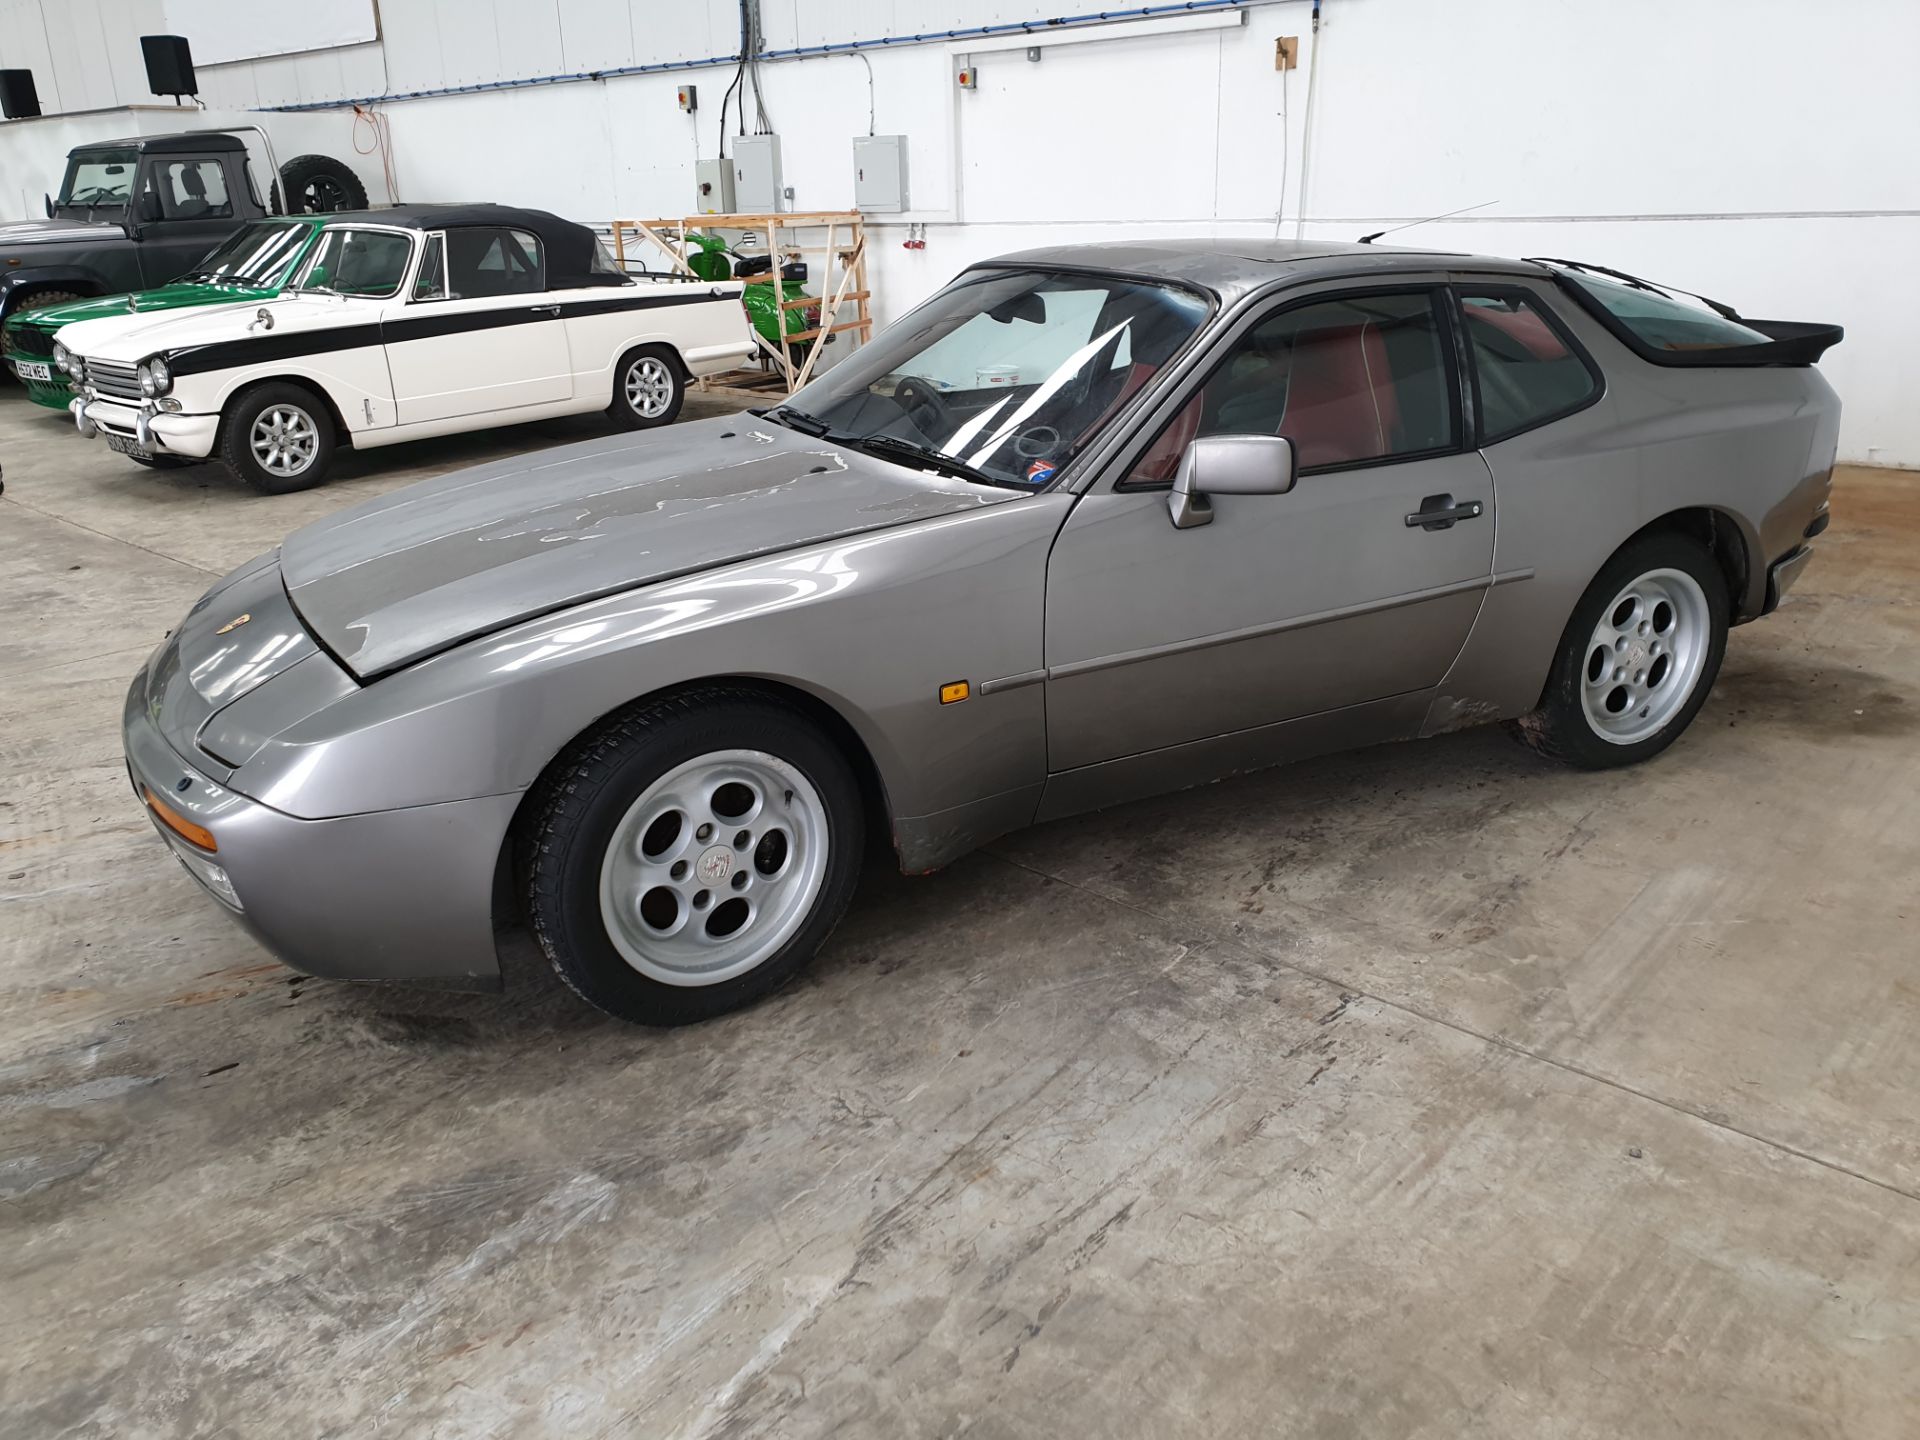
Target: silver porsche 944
(1091, 523)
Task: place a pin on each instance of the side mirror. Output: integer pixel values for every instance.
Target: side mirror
(1229, 465)
(147, 208)
(47, 200)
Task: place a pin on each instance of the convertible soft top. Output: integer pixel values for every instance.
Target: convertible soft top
(573, 251)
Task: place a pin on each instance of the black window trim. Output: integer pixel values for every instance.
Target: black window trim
(1450, 343)
(427, 242)
(1496, 290)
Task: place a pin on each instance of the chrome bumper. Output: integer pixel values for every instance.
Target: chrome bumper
(393, 895)
(164, 432)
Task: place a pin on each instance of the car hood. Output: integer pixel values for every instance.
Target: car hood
(56, 232)
(131, 338)
(396, 579)
(146, 302)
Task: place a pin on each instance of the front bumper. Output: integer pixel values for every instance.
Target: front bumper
(161, 431)
(54, 392)
(393, 895)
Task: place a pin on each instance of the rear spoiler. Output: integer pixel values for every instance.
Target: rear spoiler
(1789, 342)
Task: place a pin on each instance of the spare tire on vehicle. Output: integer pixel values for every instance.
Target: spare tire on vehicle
(318, 185)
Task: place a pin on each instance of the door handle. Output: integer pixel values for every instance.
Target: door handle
(1438, 512)
(545, 309)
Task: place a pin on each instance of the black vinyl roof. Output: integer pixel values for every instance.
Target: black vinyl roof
(194, 140)
(569, 247)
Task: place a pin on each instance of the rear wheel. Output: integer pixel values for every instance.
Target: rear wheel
(278, 438)
(691, 855)
(649, 386)
(1638, 658)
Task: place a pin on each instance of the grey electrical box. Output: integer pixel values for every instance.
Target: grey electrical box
(756, 174)
(880, 172)
(714, 179)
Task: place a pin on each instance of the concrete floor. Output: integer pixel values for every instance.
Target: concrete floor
(1426, 1091)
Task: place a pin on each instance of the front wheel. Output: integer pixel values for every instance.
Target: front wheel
(1638, 658)
(278, 438)
(649, 387)
(691, 855)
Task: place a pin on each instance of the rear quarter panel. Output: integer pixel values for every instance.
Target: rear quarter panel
(1753, 445)
(710, 332)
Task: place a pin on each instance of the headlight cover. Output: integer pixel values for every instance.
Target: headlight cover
(145, 372)
(156, 370)
(62, 357)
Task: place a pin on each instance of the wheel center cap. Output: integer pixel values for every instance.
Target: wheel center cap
(714, 865)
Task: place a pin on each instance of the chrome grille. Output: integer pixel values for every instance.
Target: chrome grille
(110, 377)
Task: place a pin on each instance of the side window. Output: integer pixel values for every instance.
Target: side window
(1525, 371)
(485, 260)
(1362, 378)
(194, 190)
(432, 282)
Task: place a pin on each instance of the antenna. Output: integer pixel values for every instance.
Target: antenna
(1395, 229)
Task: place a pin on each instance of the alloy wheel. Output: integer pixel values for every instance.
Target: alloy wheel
(1645, 656)
(284, 440)
(714, 867)
(649, 387)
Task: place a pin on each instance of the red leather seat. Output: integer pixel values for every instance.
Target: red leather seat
(1523, 327)
(1341, 404)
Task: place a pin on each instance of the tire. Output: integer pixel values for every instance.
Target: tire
(39, 300)
(318, 185)
(616, 858)
(304, 422)
(649, 387)
(1638, 658)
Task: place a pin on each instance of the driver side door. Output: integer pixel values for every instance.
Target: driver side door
(480, 333)
(1319, 601)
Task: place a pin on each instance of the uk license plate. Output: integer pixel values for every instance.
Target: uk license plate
(127, 445)
(33, 369)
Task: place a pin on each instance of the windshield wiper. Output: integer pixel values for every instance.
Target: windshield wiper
(796, 420)
(925, 455)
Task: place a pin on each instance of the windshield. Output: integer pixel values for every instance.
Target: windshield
(357, 262)
(260, 255)
(99, 179)
(1004, 376)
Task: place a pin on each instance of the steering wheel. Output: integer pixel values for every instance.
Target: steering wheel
(925, 406)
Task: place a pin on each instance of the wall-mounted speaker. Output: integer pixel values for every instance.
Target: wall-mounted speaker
(18, 99)
(169, 65)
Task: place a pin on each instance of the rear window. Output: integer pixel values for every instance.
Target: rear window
(1661, 320)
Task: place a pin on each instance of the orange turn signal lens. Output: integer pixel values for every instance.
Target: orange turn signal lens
(954, 691)
(193, 834)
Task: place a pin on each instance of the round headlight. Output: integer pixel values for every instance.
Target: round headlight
(62, 356)
(145, 372)
(162, 377)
